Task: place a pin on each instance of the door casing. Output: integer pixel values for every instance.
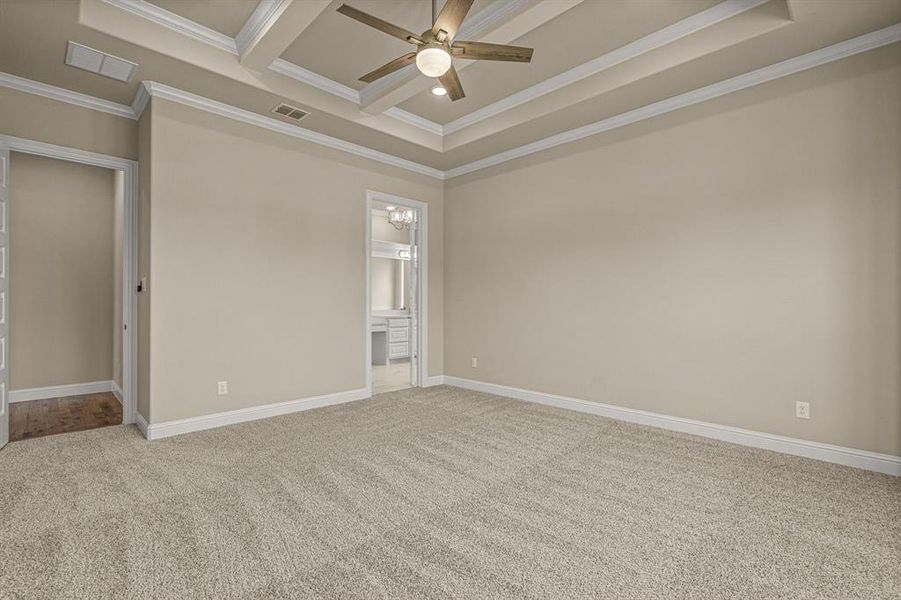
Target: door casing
(422, 281)
(129, 169)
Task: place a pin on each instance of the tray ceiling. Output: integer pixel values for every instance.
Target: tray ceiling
(593, 59)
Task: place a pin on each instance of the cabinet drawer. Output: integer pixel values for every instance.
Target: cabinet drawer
(405, 322)
(399, 334)
(400, 350)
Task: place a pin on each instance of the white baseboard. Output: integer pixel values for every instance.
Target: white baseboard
(61, 391)
(433, 381)
(862, 459)
(117, 392)
(141, 422)
(156, 431)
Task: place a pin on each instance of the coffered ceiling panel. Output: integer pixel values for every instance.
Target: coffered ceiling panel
(224, 16)
(342, 49)
(584, 32)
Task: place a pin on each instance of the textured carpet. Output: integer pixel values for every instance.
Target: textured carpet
(438, 493)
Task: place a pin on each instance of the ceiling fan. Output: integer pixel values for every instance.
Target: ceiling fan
(436, 47)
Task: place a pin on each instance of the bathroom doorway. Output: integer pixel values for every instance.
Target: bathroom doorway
(395, 274)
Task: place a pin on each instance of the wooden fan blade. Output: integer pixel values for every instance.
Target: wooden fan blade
(391, 67)
(450, 18)
(384, 26)
(451, 82)
(483, 51)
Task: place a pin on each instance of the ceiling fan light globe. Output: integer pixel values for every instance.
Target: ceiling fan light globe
(433, 61)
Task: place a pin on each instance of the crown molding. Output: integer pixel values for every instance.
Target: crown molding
(289, 69)
(63, 95)
(158, 90)
(863, 43)
(142, 97)
(149, 89)
(493, 14)
(253, 28)
(415, 120)
(254, 25)
(870, 41)
(498, 12)
(658, 39)
(177, 23)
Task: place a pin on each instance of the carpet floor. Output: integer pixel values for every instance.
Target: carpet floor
(438, 493)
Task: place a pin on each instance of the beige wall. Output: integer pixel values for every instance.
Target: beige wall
(716, 263)
(61, 272)
(719, 263)
(257, 264)
(45, 120)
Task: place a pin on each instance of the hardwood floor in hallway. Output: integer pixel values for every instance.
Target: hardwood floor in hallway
(37, 418)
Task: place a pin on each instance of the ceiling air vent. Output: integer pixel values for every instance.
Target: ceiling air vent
(292, 112)
(99, 62)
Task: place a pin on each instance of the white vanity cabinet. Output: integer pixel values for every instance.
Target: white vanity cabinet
(398, 338)
(390, 339)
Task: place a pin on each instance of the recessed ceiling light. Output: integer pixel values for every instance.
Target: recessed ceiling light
(98, 62)
(439, 91)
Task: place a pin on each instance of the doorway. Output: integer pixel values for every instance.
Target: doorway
(396, 306)
(67, 347)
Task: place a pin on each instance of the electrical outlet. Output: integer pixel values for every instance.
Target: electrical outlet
(802, 410)
(475, 362)
(222, 388)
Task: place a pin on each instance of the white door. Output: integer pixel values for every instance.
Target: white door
(414, 300)
(4, 294)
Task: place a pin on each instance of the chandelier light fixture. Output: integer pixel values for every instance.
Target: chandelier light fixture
(401, 218)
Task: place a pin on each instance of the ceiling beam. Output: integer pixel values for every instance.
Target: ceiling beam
(125, 20)
(488, 26)
(273, 26)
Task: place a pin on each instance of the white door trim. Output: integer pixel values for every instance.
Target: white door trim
(4, 293)
(129, 169)
(422, 281)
